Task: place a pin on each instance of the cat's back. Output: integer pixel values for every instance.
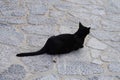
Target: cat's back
(62, 37)
(60, 44)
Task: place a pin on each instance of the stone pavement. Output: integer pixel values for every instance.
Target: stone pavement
(25, 26)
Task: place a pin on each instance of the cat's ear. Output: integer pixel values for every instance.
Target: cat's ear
(89, 28)
(80, 24)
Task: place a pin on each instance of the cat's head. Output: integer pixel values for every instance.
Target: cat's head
(84, 29)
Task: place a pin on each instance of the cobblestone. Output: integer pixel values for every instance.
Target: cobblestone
(38, 63)
(95, 53)
(9, 35)
(38, 9)
(110, 25)
(37, 20)
(81, 68)
(25, 25)
(94, 43)
(80, 55)
(113, 6)
(114, 67)
(42, 30)
(34, 40)
(110, 55)
(114, 35)
(49, 77)
(14, 72)
(16, 13)
(75, 78)
(6, 55)
(104, 78)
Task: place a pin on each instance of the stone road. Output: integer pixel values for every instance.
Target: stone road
(25, 26)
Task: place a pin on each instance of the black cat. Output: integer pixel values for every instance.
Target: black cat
(63, 43)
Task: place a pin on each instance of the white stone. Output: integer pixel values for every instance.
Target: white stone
(100, 34)
(95, 53)
(103, 77)
(115, 45)
(18, 12)
(6, 56)
(9, 35)
(94, 43)
(75, 78)
(14, 72)
(57, 14)
(79, 55)
(63, 6)
(113, 17)
(39, 63)
(34, 40)
(110, 55)
(114, 67)
(97, 61)
(38, 9)
(48, 77)
(42, 30)
(65, 29)
(41, 20)
(112, 6)
(80, 1)
(106, 35)
(77, 67)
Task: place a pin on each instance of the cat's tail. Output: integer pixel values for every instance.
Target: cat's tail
(42, 51)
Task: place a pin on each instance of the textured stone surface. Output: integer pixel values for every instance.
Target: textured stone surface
(95, 53)
(13, 20)
(14, 72)
(38, 9)
(114, 67)
(82, 78)
(110, 55)
(8, 5)
(42, 30)
(16, 20)
(34, 40)
(75, 67)
(104, 35)
(9, 35)
(35, 19)
(80, 1)
(17, 13)
(57, 14)
(97, 61)
(80, 55)
(48, 77)
(25, 25)
(115, 45)
(100, 34)
(94, 43)
(110, 25)
(6, 56)
(63, 6)
(64, 29)
(111, 77)
(113, 6)
(39, 63)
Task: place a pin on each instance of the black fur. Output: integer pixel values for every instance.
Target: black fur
(63, 43)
